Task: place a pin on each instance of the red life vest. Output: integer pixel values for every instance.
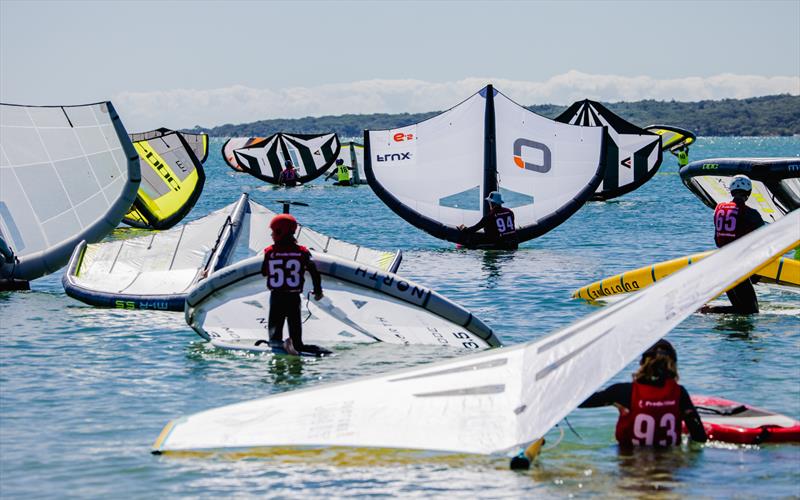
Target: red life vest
(654, 418)
(285, 267)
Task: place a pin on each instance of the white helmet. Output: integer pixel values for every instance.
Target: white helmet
(740, 183)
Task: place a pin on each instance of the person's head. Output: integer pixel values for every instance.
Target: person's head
(288, 164)
(658, 363)
(339, 161)
(741, 187)
(495, 199)
(283, 227)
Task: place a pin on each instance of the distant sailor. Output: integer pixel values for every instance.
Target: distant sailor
(732, 220)
(288, 177)
(285, 264)
(683, 156)
(498, 224)
(342, 173)
(653, 407)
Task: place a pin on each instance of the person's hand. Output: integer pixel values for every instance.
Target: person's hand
(318, 295)
(461, 227)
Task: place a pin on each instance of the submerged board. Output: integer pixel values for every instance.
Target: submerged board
(732, 422)
(776, 183)
(783, 271)
(436, 174)
(67, 173)
(172, 181)
(311, 154)
(197, 142)
(362, 304)
(632, 154)
(156, 271)
(672, 138)
(261, 345)
(491, 402)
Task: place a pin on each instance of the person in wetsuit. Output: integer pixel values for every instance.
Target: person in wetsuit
(342, 173)
(288, 176)
(285, 264)
(732, 220)
(653, 406)
(497, 225)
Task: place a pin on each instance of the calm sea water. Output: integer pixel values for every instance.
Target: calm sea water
(84, 392)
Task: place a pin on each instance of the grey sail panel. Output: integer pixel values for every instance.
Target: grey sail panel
(197, 142)
(67, 173)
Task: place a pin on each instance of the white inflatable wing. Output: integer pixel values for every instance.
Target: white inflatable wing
(776, 182)
(156, 271)
(490, 402)
(632, 154)
(311, 155)
(67, 173)
(361, 304)
(437, 173)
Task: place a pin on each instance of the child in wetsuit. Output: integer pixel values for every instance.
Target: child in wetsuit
(285, 264)
(653, 406)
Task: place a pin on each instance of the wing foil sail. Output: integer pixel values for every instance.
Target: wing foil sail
(632, 155)
(265, 158)
(436, 174)
(67, 173)
(672, 138)
(489, 402)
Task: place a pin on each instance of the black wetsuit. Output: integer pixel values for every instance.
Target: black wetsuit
(743, 220)
(498, 226)
(621, 394)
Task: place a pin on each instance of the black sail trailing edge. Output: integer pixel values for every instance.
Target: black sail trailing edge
(633, 154)
(437, 173)
(776, 182)
(264, 158)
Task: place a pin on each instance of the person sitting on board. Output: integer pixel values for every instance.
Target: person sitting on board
(683, 156)
(497, 225)
(285, 264)
(653, 406)
(288, 177)
(342, 172)
(732, 220)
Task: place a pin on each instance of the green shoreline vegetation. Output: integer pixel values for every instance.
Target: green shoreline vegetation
(776, 115)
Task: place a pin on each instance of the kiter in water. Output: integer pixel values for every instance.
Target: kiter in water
(498, 224)
(288, 176)
(285, 264)
(342, 173)
(653, 406)
(732, 220)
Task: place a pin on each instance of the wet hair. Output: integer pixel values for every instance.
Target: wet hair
(658, 363)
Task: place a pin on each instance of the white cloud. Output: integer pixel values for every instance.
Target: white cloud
(183, 108)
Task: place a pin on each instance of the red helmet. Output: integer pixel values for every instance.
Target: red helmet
(283, 225)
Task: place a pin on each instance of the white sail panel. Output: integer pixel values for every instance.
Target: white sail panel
(361, 304)
(542, 163)
(423, 165)
(490, 402)
(67, 173)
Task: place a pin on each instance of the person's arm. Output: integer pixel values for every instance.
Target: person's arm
(473, 229)
(692, 419)
(316, 279)
(615, 394)
(264, 266)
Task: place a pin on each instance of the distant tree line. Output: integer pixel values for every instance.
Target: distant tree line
(777, 115)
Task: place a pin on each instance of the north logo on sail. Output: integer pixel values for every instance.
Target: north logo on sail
(527, 143)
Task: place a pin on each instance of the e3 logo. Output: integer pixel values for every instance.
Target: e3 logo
(527, 143)
(400, 137)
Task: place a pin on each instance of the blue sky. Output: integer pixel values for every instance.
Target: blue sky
(206, 62)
